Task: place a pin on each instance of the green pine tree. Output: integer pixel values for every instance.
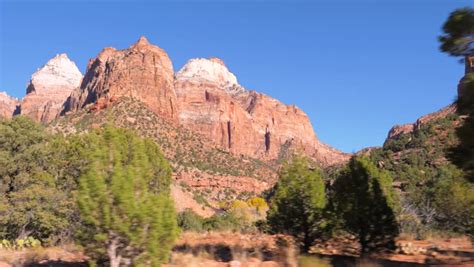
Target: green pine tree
(364, 199)
(298, 203)
(124, 199)
(37, 183)
(458, 40)
(458, 34)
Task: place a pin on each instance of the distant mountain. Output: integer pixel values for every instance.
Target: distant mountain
(46, 92)
(203, 96)
(49, 87)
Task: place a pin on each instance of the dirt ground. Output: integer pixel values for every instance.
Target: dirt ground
(226, 249)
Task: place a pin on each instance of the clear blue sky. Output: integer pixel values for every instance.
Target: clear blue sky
(355, 67)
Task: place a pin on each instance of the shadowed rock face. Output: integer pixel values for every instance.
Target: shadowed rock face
(49, 87)
(8, 105)
(244, 122)
(142, 71)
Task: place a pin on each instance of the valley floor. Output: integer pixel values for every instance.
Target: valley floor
(225, 249)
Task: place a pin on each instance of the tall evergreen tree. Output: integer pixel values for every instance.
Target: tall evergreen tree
(298, 203)
(363, 197)
(124, 199)
(458, 37)
(458, 40)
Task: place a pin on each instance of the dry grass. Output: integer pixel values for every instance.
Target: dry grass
(66, 254)
(251, 249)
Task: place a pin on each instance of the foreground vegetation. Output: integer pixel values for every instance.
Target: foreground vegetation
(107, 190)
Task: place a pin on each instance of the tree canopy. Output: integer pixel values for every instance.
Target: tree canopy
(363, 197)
(38, 173)
(458, 37)
(124, 199)
(297, 206)
(458, 40)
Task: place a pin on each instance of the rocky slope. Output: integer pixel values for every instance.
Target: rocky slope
(416, 152)
(8, 105)
(410, 127)
(201, 170)
(49, 88)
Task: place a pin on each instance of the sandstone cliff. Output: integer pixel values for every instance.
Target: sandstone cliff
(143, 71)
(8, 105)
(49, 88)
(242, 121)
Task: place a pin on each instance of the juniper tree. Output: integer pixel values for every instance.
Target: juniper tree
(37, 182)
(458, 40)
(298, 203)
(365, 201)
(458, 37)
(124, 199)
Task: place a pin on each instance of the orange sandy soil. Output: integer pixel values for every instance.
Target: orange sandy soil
(259, 250)
(52, 256)
(439, 252)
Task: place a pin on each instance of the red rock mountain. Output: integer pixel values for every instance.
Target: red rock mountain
(221, 139)
(143, 71)
(8, 105)
(241, 121)
(203, 96)
(49, 88)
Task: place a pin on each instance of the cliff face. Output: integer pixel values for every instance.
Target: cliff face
(241, 121)
(49, 87)
(142, 71)
(8, 105)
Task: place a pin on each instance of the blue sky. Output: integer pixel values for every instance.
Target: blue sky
(355, 67)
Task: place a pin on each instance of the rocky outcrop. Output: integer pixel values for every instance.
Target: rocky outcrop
(143, 71)
(241, 121)
(49, 88)
(397, 130)
(8, 105)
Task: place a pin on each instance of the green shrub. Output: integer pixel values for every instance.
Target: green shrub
(124, 199)
(188, 220)
(298, 203)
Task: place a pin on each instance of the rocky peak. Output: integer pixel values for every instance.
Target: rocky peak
(142, 41)
(143, 71)
(212, 70)
(211, 102)
(58, 73)
(49, 88)
(8, 105)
